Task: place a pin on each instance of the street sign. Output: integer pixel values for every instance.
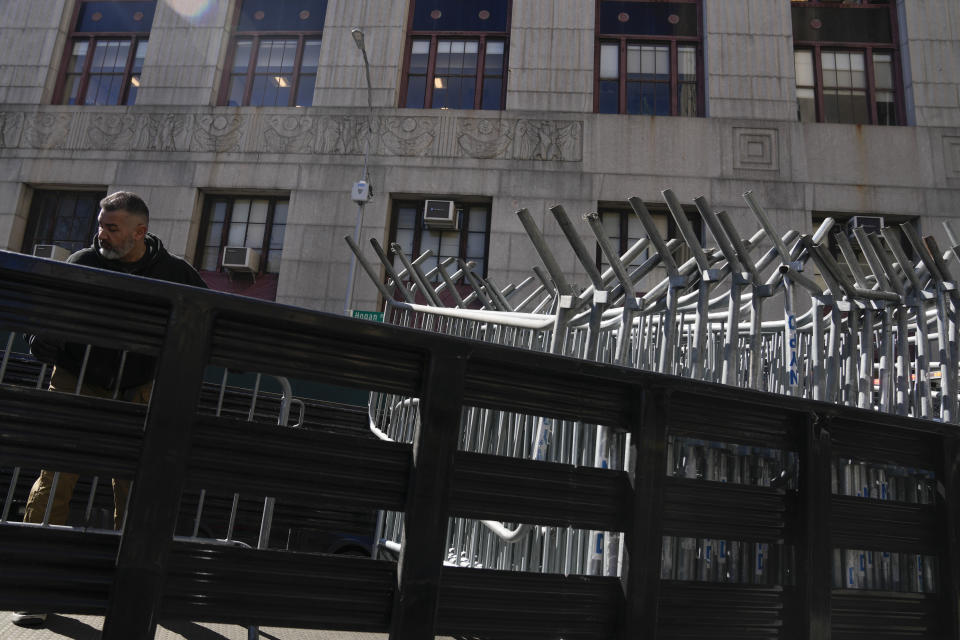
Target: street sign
(376, 316)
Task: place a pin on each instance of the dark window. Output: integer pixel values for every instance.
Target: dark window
(456, 54)
(847, 62)
(624, 229)
(649, 58)
(469, 240)
(105, 53)
(243, 221)
(274, 53)
(67, 219)
(871, 223)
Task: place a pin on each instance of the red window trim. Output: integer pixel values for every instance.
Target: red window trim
(231, 199)
(224, 92)
(622, 42)
(75, 36)
(482, 36)
(868, 48)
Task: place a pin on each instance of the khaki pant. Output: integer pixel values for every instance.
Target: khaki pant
(66, 382)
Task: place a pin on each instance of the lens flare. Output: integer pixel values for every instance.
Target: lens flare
(190, 9)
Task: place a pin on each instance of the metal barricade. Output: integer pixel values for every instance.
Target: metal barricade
(774, 311)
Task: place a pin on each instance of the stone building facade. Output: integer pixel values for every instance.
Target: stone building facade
(191, 153)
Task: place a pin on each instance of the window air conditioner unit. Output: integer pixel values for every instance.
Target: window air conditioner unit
(870, 224)
(52, 251)
(440, 214)
(242, 259)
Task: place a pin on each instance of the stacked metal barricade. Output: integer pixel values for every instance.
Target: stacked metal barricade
(773, 311)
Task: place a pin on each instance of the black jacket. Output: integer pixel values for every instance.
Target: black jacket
(104, 364)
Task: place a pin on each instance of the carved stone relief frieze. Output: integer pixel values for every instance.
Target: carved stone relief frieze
(549, 140)
(219, 133)
(485, 137)
(47, 130)
(297, 133)
(163, 132)
(409, 136)
(288, 134)
(111, 131)
(11, 125)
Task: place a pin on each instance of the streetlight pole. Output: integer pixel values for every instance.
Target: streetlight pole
(361, 190)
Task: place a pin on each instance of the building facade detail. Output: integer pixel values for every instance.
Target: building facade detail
(334, 134)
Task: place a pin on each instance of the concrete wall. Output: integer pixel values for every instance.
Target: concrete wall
(32, 34)
(547, 147)
(749, 60)
(930, 44)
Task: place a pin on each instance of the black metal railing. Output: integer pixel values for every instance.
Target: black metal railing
(144, 575)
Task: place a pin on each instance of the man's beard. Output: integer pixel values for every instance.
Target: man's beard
(116, 253)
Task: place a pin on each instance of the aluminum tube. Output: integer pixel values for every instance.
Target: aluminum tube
(371, 272)
(447, 280)
(497, 295)
(391, 272)
(865, 395)
(285, 400)
(872, 258)
(415, 274)
(716, 228)
(907, 267)
(476, 286)
(253, 399)
(816, 351)
(886, 361)
(756, 317)
(650, 228)
(921, 249)
(686, 230)
(576, 242)
(761, 216)
(612, 257)
(10, 491)
(546, 256)
(6, 355)
(545, 280)
(738, 245)
(93, 492)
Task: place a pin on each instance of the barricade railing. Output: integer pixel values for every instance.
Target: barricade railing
(861, 337)
(783, 527)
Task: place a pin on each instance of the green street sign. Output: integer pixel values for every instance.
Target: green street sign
(376, 316)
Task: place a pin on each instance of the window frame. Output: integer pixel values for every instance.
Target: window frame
(462, 207)
(33, 222)
(435, 36)
(623, 42)
(205, 219)
(223, 94)
(868, 49)
(655, 209)
(74, 36)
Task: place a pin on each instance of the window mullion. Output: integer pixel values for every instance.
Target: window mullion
(85, 74)
(251, 67)
(818, 81)
(871, 86)
(268, 227)
(623, 76)
(431, 70)
(128, 69)
(297, 62)
(417, 231)
(481, 72)
(225, 231)
(464, 226)
(674, 72)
